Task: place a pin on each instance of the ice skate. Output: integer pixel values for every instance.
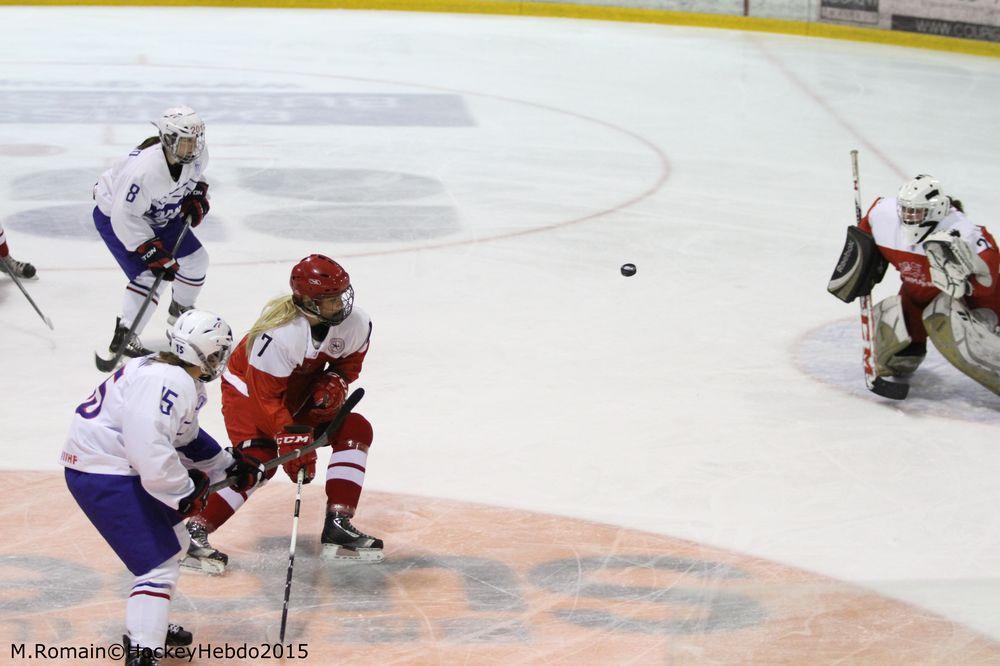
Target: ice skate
(201, 555)
(178, 636)
(21, 269)
(133, 347)
(342, 541)
(134, 656)
(175, 311)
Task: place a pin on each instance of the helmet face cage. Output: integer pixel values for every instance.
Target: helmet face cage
(182, 134)
(202, 339)
(920, 205)
(311, 307)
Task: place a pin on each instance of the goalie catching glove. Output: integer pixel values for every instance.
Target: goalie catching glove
(953, 262)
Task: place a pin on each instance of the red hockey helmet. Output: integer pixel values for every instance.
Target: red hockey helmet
(319, 278)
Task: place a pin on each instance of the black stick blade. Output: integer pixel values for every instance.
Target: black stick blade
(106, 364)
(891, 390)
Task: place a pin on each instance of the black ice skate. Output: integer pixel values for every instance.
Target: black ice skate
(175, 311)
(342, 541)
(136, 656)
(21, 269)
(201, 556)
(133, 347)
(178, 636)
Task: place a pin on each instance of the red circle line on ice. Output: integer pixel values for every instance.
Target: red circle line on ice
(659, 180)
(462, 583)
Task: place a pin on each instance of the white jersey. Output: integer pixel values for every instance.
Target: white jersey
(143, 420)
(139, 194)
(889, 233)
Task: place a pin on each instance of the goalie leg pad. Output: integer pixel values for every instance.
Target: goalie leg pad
(895, 353)
(966, 338)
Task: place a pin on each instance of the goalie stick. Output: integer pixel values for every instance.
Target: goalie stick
(13, 275)
(109, 364)
(338, 420)
(875, 384)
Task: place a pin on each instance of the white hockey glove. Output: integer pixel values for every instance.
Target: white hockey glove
(953, 262)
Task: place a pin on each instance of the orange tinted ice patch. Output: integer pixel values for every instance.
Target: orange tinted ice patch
(461, 583)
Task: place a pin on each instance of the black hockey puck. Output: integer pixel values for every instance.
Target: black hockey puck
(628, 270)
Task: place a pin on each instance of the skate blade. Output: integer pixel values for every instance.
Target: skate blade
(367, 555)
(206, 566)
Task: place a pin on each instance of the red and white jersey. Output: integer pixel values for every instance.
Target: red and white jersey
(882, 221)
(262, 389)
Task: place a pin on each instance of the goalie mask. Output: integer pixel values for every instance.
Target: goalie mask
(920, 205)
(202, 339)
(182, 134)
(322, 288)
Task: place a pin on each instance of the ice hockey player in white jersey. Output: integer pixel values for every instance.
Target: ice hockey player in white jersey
(8, 264)
(142, 202)
(949, 269)
(137, 463)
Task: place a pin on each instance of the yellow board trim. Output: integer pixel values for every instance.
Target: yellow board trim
(569, 10)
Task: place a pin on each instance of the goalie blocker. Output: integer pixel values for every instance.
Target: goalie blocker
(861, 266)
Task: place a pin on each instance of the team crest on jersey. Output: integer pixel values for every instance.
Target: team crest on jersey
(336, 345)
(913, 272)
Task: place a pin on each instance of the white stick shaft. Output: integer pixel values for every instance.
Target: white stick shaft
(291, 553)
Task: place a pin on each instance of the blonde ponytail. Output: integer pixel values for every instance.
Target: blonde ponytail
(278, 312)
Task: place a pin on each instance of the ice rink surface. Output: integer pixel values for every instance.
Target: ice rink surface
(482, 179)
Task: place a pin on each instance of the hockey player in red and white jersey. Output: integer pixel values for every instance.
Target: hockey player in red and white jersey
(9, 264)
(292, 370)
(949, 272)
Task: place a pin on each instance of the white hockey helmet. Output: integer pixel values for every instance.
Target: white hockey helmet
(182, 133)
(202, 339)
(920, 205)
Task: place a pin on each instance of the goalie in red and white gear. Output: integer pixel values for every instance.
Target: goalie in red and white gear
(949, 272)
(286, 380)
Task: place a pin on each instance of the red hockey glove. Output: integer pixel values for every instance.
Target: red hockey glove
(195, 203)
(328, 393)
(195, 502)
(296, 437)
(4, 250)
(248, 472)
(157, 258)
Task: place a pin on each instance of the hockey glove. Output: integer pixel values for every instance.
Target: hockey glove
(4, 250)
(327, 395)
(953, 263)
(297, 437)
(196, 501)
(248, 472)
(195, 203)
(157, 258)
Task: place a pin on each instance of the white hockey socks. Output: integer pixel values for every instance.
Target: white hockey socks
(148, 606)
(190, 277)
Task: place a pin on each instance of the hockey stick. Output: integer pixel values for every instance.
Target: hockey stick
(17, 281)
(107, 365)
(338, 420)
(875, 384)
(291, 554)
